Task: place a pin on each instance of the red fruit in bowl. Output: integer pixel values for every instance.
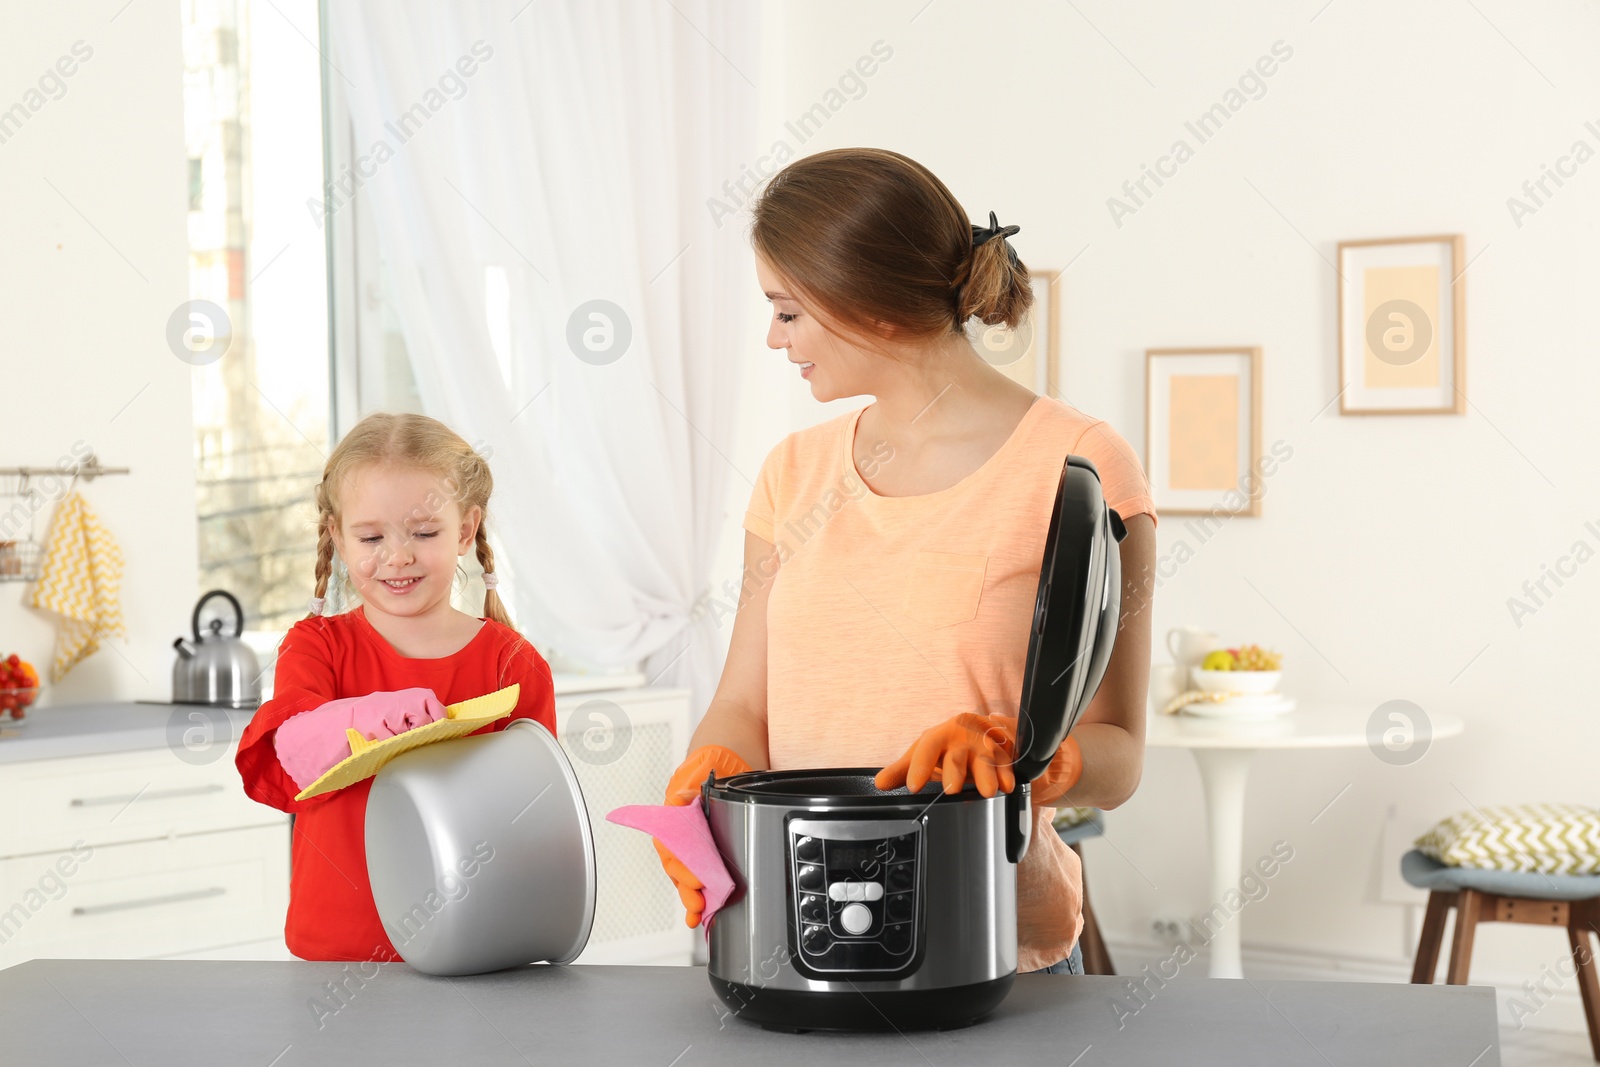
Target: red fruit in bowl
(17, 713)
(13, 660)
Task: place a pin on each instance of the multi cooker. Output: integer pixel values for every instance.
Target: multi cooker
(856, 908)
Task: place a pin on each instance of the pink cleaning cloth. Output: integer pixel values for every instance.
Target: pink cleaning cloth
(683, 829)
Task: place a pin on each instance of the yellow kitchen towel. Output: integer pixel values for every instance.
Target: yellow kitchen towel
(82, 582)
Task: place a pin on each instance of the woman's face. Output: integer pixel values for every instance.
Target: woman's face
(400, 534)
(834, 366)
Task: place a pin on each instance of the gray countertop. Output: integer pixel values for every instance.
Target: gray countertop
(92, 729)
(59, 730)
(174, 1013)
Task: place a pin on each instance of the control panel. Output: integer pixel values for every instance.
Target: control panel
(855, 891)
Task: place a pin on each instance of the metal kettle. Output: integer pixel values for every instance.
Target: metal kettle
(217, 668)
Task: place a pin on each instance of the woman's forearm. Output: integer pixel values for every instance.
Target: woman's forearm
(729, 724)
(1113, 761)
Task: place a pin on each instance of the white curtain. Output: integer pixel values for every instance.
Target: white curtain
(522, 160)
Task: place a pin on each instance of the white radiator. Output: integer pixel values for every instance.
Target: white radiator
(624, 744)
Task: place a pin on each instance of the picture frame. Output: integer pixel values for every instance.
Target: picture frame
(1402, 323)
(1027, 354)
(1203, 430)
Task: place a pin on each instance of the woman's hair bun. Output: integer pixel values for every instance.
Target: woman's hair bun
(995, 289)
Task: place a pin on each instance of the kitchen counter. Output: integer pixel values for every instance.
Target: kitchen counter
(59, 730)
(174, 1013)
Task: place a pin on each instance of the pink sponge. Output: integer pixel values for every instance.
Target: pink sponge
(682, 828)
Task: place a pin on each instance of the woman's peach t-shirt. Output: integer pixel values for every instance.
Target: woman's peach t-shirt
(889, 615)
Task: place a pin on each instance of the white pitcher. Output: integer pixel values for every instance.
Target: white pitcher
(1189, 645)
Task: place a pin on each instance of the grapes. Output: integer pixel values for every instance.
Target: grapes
(1256, 658)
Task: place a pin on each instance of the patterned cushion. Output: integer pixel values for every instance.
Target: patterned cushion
(1544, 838)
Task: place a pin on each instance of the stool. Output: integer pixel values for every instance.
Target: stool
(1096, 959)
(1480, 896)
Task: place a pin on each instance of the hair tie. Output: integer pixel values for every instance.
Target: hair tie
(316, 604)
(981, 234)
(490, 579)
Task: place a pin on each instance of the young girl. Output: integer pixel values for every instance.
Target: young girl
(401, 499)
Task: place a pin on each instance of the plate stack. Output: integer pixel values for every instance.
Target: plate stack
(1237, 695)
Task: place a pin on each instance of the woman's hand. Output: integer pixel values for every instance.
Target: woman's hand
(312, 742)
(979, 744)
(986, 746)
(684, 788)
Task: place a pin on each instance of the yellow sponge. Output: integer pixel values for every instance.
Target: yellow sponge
(368, 757)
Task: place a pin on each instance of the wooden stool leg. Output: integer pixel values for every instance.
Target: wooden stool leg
(1468, 902)
(1588, 984)
(1096, 958)
(1439, 903)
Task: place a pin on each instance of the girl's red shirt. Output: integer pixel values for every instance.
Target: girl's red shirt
(332, 915)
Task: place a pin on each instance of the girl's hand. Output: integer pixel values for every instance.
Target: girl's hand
(966, 743)
(380, 715)
(312, 742)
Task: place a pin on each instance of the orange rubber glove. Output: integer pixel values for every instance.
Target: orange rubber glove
(985, 745)
(684, 788)
(968, 742)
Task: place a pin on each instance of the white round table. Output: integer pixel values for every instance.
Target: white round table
(1222, 748)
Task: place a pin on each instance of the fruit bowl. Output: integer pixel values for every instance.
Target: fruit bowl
(14, 704)
(1237, 681)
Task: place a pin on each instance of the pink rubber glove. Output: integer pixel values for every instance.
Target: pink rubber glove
(313, 741)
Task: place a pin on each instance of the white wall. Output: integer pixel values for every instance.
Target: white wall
(93, 262)
(1388, 545)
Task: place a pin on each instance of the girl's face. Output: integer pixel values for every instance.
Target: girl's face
(400, 534)
(833, 365)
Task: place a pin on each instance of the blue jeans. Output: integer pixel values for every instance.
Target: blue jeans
(1073, 964)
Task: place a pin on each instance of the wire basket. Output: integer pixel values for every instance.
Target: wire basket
(21, 561)
(21, 556)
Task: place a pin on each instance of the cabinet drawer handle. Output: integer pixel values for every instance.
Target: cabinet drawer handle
(150, 902)
(159, 794)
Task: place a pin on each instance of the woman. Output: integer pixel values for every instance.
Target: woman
(892, 554)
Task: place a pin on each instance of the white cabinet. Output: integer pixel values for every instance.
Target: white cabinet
(137, 855)
(624, 744)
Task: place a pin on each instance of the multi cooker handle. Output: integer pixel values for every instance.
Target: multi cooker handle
(705, 793)
(1019, 821)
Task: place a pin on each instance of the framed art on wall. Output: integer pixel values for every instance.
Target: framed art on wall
(1402, 348)
(1203, 430)
(1027, 354)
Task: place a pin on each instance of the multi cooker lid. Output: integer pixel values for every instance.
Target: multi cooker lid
(1075, 616)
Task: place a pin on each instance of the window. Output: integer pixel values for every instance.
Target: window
(253, 129)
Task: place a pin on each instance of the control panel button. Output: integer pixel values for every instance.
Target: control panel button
(901, 877)
(811, 878)
(808, 849)
(856, 918)
(812, 909)
(855, 891)
(815, 939)
(898, 909)
(897, 939)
